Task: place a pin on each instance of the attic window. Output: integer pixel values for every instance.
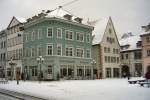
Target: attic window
(110, 31)
(67, 16)
(79, 20)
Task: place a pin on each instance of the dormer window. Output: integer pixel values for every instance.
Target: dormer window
(79, 20)
(67, 16)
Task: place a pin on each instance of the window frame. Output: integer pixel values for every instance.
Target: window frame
(48, 33)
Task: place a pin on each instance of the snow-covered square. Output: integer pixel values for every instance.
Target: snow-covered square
(105, 89)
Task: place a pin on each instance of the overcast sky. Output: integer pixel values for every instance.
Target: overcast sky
(127, 15)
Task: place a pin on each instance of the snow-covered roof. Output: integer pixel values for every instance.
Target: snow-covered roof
(144, 33)
(59, 12)
(99, 29)
(21, 20)
(130, 40)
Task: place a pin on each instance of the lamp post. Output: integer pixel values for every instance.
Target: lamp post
(40, 60)
(93, 62)
(12, 68)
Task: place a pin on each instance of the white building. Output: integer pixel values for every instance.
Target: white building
(131, 55)
(14, 46)
(106, 48)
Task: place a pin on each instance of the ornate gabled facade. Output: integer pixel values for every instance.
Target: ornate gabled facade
(131, 55)
(14, 46)
(63, 42)
(106, 49)
(145, 37)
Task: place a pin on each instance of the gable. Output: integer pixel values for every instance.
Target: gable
(110, 35)
(13, 22)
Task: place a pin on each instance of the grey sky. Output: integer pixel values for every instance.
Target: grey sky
(127, 15)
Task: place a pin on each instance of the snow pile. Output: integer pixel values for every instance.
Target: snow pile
(20, 19)
(106, 89)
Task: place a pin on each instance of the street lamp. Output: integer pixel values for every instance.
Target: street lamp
(40, 60)
(12, 68)
(93, 62)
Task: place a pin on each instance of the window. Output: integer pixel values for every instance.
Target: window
(109, 59)
(49, 32)
(88, 37)
(88, 54)
(108, 72)
(32, 52)
(79, 52)
(39, 34)
(59, 51)
(148, 52)
(116, 72)
(105, 58)
(49, 71)
(147, 39)
(39, 51)
(108, 50)
(105, 49)
(117, 59)
(59, 33)
(34, 71)
(137, 55)
(49, 50)
(126, 56)
(80, 36)
(110, 31)
(69, 35)
(69, 51)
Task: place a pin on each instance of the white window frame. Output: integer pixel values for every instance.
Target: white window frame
(52, 32)
(80, 49)
(38, 50)
(66, 33)
(69, 53)
(39, 33)
(47, 49)
(57, 32)
(80, 36)
(61, 49)
(32, 51)
(89, 52)
(89, 38)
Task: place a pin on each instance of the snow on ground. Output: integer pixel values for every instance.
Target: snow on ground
(105, 89)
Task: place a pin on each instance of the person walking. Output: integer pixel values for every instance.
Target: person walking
(17, 77)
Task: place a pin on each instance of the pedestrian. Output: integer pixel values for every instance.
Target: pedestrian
(17, 77)
(128, 76)
(147, 76)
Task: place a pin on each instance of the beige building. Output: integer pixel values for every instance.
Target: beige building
(14, 46)
(106, 48)
(131, 55)
(145, 36)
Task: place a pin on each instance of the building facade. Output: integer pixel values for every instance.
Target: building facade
(106, 49)
(131, 55)
(145, 36)
(14, 46)
(3, 43)
(63, 43)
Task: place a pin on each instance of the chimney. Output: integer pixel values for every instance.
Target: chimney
(79, 20)
(67, 16)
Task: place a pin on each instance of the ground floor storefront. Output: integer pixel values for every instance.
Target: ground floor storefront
(55, 68)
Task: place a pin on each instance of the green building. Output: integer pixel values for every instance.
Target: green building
(64, 44)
